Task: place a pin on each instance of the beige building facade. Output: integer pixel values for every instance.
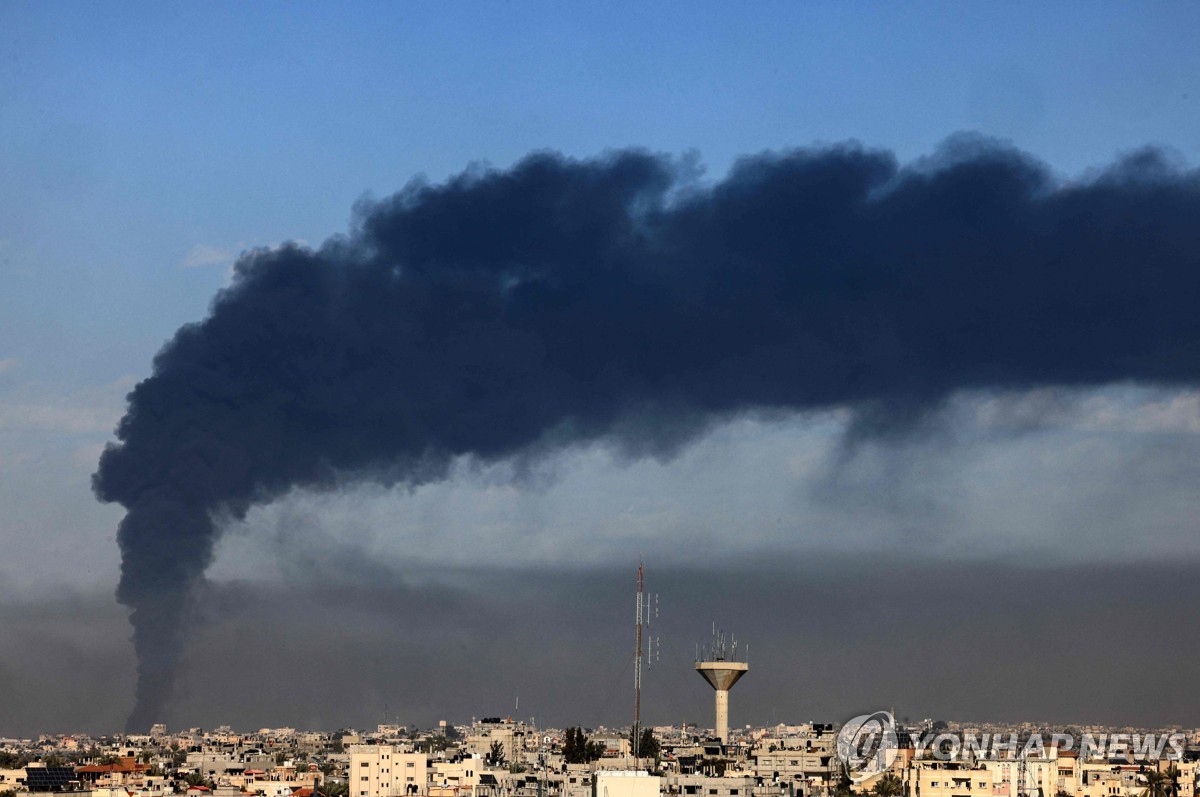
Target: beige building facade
(384, 770)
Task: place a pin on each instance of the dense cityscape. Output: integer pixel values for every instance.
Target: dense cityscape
(503, 757)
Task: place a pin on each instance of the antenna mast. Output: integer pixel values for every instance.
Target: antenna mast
(637, 664)
(646, 650)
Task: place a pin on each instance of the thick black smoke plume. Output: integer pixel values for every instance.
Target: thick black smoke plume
(619, 298)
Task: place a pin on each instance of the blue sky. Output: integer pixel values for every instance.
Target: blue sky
(143, 145)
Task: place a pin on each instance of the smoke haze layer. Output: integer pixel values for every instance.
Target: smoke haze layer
(507, 312)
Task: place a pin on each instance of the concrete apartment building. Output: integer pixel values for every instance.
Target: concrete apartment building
(1053, 772)
(385, 770)
(950, 779)
(1189, 774)
(704, 786)
(1102, 779)
(625, 783)
(1041, 775)
(12, 779)
(1046, 775)
(576, 780)
(512, 737)
(221, 762)
(798, 758)
(455, 778)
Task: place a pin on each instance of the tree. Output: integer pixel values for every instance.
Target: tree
(843, 786)
(578, 750)
(888, 786)
(571, 751)
(1172, 773)
(434, 744)
(1158, 784)
(54, 760)
(10, 760)
(196, 779)
(647, 746)
(496, 756)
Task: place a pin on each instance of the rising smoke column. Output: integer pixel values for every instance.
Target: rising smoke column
(566, 301)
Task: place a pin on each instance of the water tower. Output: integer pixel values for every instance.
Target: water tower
(718, 665)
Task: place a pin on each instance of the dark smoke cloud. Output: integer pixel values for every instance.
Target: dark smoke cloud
(561, 301)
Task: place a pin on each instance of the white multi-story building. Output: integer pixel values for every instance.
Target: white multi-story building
(384, 770)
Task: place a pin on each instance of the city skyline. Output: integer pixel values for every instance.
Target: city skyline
(496, 755)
